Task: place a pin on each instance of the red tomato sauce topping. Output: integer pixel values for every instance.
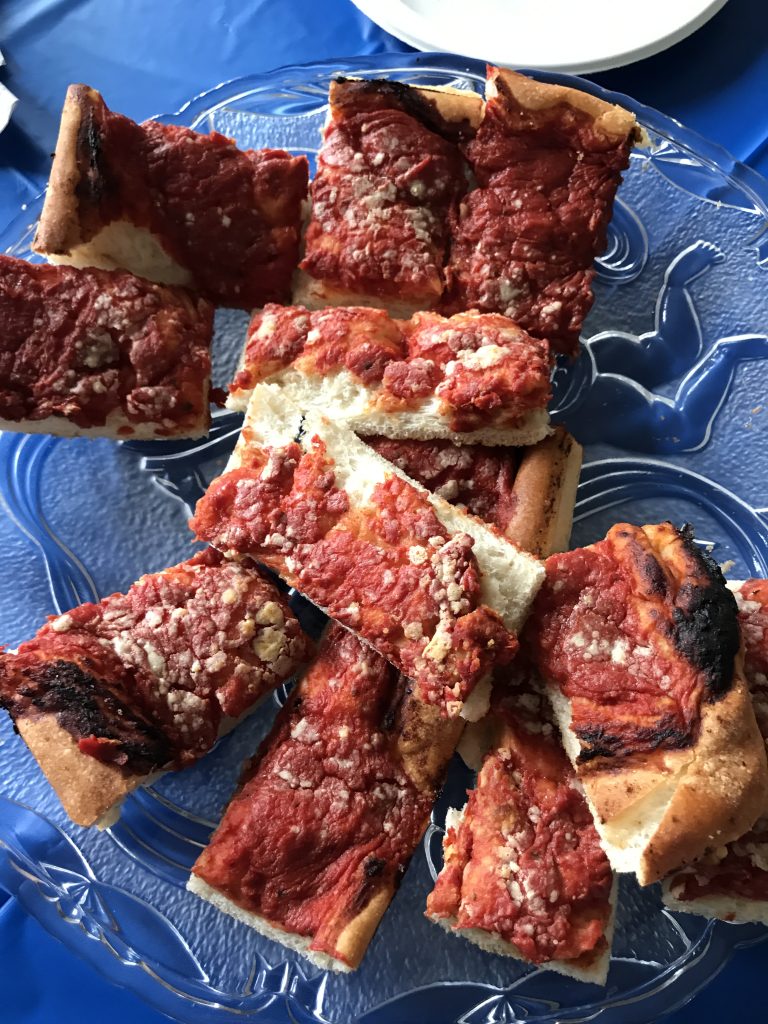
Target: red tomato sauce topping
(386, 569)
(525, 862)
(524, 241)
(327, 816)
(182, 649)
(483, 370)
(603, 629)
(384, 186)
(479, 478)
(86, 344)
(231, 217)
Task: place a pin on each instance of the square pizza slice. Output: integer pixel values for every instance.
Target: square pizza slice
(524, 873)
(433, 589)
(636, 638)
(474, 378)
(101, 353)
(547, 160)
(313, 845)
(107, 695)
(172, 205)
(731, 881)
(389, 173)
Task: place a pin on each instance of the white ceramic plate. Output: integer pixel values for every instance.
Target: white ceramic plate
(556, 35)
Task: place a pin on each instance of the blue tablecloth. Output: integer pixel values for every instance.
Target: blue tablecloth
(149, 56)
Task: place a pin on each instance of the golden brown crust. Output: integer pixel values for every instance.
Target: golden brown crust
(426, 740)
(316, 294)
(545, 489)
(355, 937)
(59, 229)
(609, 118)
(664, 808)
(722, 791)
(87, 788)
(454, 106)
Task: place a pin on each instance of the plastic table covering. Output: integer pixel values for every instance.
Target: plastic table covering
(150, 56)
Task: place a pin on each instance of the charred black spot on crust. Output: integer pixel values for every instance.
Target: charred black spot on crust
(407, 99)
(598, 742)
(85, 707)
(706, 620)
(92, 183)
(652, 574)
(374, 866)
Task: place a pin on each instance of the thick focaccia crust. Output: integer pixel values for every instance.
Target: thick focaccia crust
(663, 806)
(173, 205)
(545, 487)
(609, 119)
(89, 353)
(356, 740)
(59, 234)
(451, 114)
(107, 696)
(472, 379)
(345, 491)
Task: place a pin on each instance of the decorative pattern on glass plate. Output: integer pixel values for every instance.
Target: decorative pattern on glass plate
(673, 367)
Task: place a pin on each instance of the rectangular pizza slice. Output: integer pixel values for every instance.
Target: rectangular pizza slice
(433, 589)
(524, 873)
(475, 378)
(547, 160)
(101, 354)
(528, 493)
(389, 174)
(313, 846)
(731, 881)
(108, 694)
(637, 640)
(172, 205)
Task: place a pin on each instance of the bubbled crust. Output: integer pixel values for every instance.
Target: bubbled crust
(59, 229)
(609, 119)
(714, 786)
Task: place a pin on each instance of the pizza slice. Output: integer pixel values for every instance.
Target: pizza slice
(731, 881)
(474, 377)
(524, 873)
(636, 638)
(107, 695)
(313, 845)
(528, 493)
(388, 174)
(172, 205)
(101, 354)
(434, 590)
(547, 160)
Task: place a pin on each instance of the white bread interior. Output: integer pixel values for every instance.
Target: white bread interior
(298, 943)
(735, 909)
(626, 837)
(510, 578)
(121, 245)
(348, 400)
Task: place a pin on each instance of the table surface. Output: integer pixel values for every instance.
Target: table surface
(149, 57)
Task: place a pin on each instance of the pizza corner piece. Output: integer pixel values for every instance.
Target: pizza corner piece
(433, 589)
(108, 695)
(637, 640)
(731, 881)
(524, 872)
(96, 353)
(327, 816)
(474, 378)
(172, 205)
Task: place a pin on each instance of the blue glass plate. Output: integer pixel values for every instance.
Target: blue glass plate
(670, 397)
